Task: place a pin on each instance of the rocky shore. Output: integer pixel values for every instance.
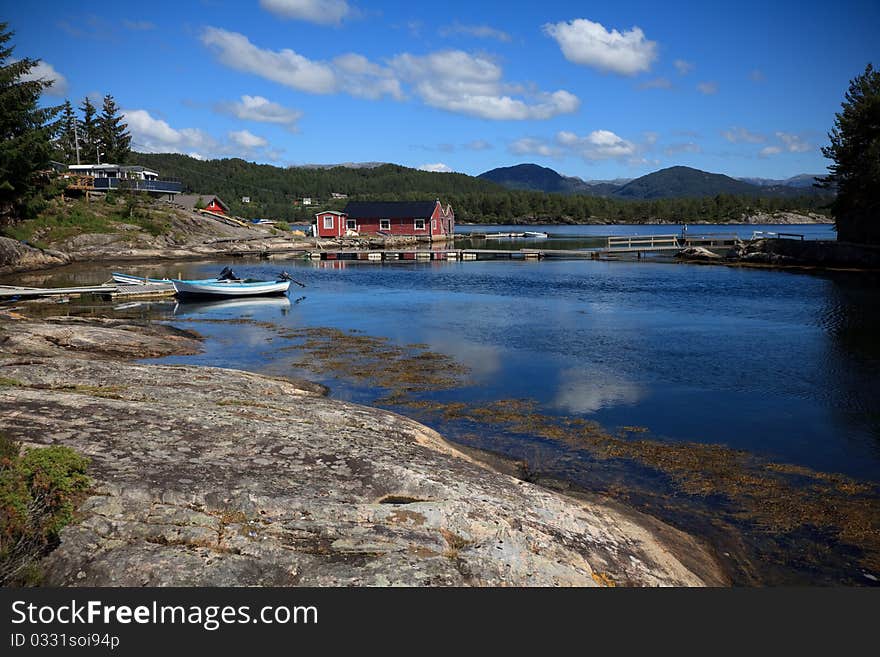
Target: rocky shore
(810, 254)
(206, 476)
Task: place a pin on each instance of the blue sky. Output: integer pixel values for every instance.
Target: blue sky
(596, 90)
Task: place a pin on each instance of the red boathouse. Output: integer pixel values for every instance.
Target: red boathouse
(427, 219)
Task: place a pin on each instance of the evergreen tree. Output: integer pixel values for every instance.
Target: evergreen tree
(855, 151)
(114, 140)
(88, 133)
(65, 145)
(26, 130)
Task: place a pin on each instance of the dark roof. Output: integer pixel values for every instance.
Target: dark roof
(390, 209)
(190, 200)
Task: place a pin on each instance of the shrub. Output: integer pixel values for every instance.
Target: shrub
(40, 490)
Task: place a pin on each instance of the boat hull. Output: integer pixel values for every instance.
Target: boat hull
(128, 279)
(229, 289)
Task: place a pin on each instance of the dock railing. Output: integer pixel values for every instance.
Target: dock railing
(642, 242)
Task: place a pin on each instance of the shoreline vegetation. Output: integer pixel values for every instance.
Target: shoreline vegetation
(255, 490)
(116, 228)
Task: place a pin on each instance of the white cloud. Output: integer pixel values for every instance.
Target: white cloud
(471, 84)
(736, 135)
(437, 167)
(767, 151)
(685, 147)
(587, 43)
(247, 139)
(656, 83)
(532, 146)
(479, 31)
(600, 145)
(323, 12)
(452, 80)
(46, 72)
(478, 145)
(285, 66)
(708, 88)
(261, 110)
(360, 77)
(793, 143)
(683, 67)
(595, 146)
(152, 135)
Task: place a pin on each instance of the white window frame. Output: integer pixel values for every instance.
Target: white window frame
(384, 224)
(416, 224)
(328, 222)
(351, 224)
(434, 225)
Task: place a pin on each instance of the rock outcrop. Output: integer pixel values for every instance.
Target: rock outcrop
(206, 476)
(806, 253)
(18, 256)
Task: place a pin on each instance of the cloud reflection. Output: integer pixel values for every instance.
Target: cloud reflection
(588, 391)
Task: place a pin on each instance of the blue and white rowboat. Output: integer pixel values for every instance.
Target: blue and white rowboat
(233, 288)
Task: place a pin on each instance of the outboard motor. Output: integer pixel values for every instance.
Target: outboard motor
(227, 275)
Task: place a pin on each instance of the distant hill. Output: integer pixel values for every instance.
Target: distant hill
(674, 182)
(529, 177)
(802, 180)
(684, 182)
(273, 190)
(346, 165)
(535, 178)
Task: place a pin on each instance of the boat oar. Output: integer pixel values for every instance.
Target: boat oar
(284, 276)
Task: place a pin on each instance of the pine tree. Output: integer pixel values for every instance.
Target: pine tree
(88, 133)
(26, 130)
(65, 145)
(114, 140)
(855, 151)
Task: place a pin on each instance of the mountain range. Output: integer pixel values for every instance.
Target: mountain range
(673, 182)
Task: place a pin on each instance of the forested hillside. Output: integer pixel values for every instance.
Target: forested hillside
(273, 192)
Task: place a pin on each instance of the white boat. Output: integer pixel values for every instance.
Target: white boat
(128, 279)
(532, 233)
(229, 288)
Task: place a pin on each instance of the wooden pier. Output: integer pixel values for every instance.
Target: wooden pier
(110, 291)
(635, 245)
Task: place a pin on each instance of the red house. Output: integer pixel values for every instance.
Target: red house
(427, 219)
(210, 202)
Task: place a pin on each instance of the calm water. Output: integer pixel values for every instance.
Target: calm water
(785, 366)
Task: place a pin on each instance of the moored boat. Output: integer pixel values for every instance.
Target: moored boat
(532, 233)
(229, 288)
(128, 279)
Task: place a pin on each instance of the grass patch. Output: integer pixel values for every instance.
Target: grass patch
(40, 490)
(59, 222)
(10, 383)
(62, 220)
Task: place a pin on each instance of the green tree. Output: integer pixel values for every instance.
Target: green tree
(855, 151)
(113, 138)
(26, 130)
(88, 133)
(66, 143)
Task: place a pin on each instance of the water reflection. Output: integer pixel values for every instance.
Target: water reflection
(584, 391)
(237, 307)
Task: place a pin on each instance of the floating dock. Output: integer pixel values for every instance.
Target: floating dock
(635, 245)
(149, 290)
